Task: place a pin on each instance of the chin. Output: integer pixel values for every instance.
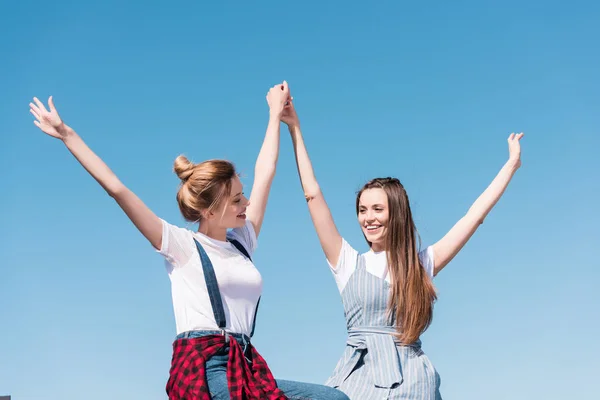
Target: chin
(378, 240)
(239, 223)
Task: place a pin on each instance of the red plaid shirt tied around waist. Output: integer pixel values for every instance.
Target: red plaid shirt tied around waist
(246, 381)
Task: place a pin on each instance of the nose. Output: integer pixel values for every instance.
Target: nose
(370, 216)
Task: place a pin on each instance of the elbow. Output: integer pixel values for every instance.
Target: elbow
(478, 219)
(310, 193)
(475, 216)
(115, 189)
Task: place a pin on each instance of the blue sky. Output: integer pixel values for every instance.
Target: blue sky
(427, 92)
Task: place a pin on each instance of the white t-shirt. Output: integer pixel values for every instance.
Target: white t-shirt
(376, 264)
(239, 281)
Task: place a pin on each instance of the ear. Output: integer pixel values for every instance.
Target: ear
(206, 214)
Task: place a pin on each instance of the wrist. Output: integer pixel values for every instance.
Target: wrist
(275, 115)
(513, 163)
(66, 132)
(295, 127)
(63, 129)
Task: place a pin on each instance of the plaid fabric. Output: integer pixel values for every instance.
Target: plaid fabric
(187, 379)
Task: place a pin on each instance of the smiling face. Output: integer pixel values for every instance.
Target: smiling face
(373, 216)
(231, 213)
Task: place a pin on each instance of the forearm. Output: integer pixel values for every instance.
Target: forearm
(91, 162)
(310, 186)
(266, 162)
(488, 199)
(447, 247)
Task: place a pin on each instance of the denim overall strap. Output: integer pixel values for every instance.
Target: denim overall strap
(243, 250)
(212, 287)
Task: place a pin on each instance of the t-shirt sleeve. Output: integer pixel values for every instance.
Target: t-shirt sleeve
(177, 245)
(427, 260)
(246, 236)
(345, 266)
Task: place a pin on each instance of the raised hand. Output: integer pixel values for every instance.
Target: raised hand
(48, 121)
(289, 116)
(514, 148)
(277, 97)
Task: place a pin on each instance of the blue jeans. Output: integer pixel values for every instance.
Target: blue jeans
(216, 377)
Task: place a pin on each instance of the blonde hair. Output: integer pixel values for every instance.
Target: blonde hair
(203, 186)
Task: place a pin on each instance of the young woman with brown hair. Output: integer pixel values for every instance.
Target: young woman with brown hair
(387, 292)
(215, 286)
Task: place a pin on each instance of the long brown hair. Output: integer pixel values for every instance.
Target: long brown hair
(203, 185)
(412, 292)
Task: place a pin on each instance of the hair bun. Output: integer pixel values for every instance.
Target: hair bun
(183, 168)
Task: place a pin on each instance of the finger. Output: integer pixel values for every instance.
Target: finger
(34, 108)
(36, 115)
(51, 104)
(520, 135)
(40, 104)
(285, 87)
(37, 123)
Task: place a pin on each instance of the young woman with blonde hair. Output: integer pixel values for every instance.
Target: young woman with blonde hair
(215, 286)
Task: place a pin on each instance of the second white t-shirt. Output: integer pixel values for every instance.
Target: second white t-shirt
(376, 264)
(240, 283)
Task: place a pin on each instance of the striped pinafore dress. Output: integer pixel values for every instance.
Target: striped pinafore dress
(374, 365)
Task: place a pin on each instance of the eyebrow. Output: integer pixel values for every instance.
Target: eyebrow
(374, 205)
(238, 194)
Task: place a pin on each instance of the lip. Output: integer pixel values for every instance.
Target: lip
(373, 230)
(241, 216)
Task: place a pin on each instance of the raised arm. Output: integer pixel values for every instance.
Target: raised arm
(447, 248)
(141, 216)
(266, 162)
(330, 238)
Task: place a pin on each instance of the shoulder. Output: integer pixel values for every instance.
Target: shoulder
(346, 265)
(246, 236)
(426, 256)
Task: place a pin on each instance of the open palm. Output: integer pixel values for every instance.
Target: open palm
(48, 121)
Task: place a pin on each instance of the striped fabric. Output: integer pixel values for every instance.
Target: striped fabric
(374, 365)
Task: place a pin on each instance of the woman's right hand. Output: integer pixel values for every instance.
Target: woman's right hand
(514, 149)
(48, 121)
(142, 217)
(289, 116)
(277, 97)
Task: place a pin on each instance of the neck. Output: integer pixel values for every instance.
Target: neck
(377, 247)
(212, 232)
